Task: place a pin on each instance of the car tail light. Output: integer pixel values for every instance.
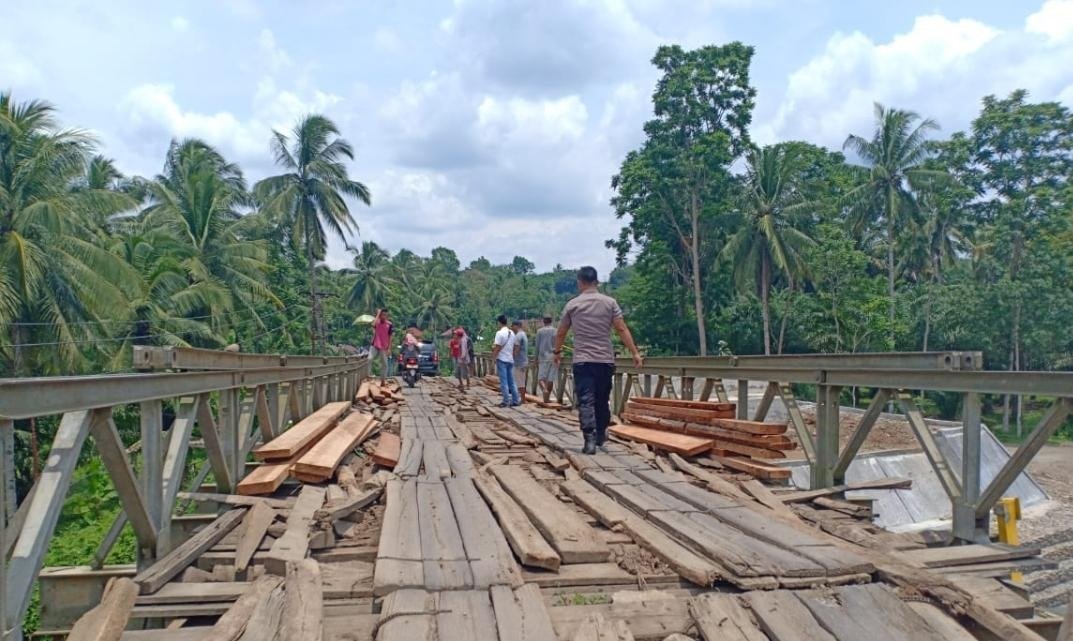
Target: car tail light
(435, 357)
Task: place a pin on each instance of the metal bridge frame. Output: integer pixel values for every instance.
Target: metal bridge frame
(236, 401)
(894, 376)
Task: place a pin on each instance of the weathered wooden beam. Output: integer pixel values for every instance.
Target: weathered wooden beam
(152, 578)
(114, 456)
(44, 512)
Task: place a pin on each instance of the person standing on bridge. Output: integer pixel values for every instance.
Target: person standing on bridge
(547, 369)
(521, 358)
(503, 353)
(382, 329)
(592, 316)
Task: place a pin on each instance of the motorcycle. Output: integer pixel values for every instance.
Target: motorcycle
(410, 372)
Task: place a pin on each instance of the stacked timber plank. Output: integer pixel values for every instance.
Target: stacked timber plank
(692, 427)
(371, 393)
(309, 451)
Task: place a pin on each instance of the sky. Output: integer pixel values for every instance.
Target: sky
(493, 127)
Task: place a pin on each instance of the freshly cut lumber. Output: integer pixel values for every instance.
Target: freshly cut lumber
(564, 528)
(306, 431)
(706, 418)
(294, 544)
(757, 469)
(303, 605)
(721, 617)
(681, 413)
(667, 441)
(805, 496)
(170, 565)
(363, 392)
(766, 446)
(522, 536)
(322, 459)
(236, 501)
(715, 406)
(254, 526)
(106, 621)
(387, 450)
(682, 560)
(265, 478)
(232, 623)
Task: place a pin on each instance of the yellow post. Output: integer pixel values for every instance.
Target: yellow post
(1007, 514)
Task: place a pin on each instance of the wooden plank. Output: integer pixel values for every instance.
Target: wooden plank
(236, 501)
(465, 615)
(941, 622)
(524, 538)
(715, 482)
(995, 593)
(666, 441)
(591, 574)
(332, 512)
(647, 620)
(322, 459)
(521, 614)
(165, 569)
(561, 526)
(867, 612)
(398, 561)
(265, 478)
(805, 496)
(721, 617)
(460, 460)
(176, 592)
(443, 555)
(761, 493)
(711, 406)
(783, 617)
(407, 615)
(967, 555)
(303, 604)
(387, 450)
(294, 543)
(757, 469)
(305, 432)
(597, 628)
(491, 562)
(685, 562)
(265, 620)
(435, 459)
(765, 442)
(232, 623)
(253, 529)
(106, 621)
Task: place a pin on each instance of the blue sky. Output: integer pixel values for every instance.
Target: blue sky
(493, 127)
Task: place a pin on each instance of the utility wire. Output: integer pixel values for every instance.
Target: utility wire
(122, 320)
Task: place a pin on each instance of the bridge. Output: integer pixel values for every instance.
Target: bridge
(490, 524)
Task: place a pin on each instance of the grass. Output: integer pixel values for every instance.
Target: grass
(1034, 410)
(597, 598)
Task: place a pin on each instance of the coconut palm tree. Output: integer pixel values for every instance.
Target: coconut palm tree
(887, 198)
(199, 199)
(55, 282)
(372, 278)
(308, 201)
(769, 240)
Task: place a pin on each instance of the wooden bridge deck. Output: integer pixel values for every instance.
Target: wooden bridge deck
(495, 527)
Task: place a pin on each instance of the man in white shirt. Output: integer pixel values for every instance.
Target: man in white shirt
(503, 352)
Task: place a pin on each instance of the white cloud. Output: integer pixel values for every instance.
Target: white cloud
(387, 40)
(180, 24)
(1054, 20)
(533, 122)
(16, 70)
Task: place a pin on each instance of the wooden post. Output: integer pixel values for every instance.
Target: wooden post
(646, 384)
(687, 388)
(743, 399)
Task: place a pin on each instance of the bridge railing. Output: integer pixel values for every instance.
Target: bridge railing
(234, 400)
(894, 377)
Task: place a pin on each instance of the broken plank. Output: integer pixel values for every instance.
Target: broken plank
(387, 450)
(524, 538)
(303, 603)
(597, 628)
(666, 441)
(783, 617)
(336, 511)
(560, 524)
(233, 622)
(715, 483)
(254, 526)
(804, 496)
(165, 569)
(755, 468)
(305, 432)
(967, 554)
(106, 621)
(761, 493)
(721, 617)
(294, 544)
(322, 459)
(235, 500)
(521, 614)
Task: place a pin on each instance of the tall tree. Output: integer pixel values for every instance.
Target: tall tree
(372, 278)
(769, 238)
(674, 187)
(886, 199)
(56, 282)
(309, 199)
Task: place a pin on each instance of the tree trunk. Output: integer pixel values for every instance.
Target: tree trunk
(765, 303)
(890, 268)
(785, 316)
(698, 300)
(314, 304)
(35, 451)
(927, 321)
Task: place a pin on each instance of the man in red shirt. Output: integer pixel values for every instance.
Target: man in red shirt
(382, 328)
(460, 353)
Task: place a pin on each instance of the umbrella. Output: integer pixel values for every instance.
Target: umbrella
(364, 319)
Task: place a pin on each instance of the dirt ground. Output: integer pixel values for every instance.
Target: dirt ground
(886, 434)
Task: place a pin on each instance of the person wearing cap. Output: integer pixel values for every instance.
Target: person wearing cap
(503, 353)
(460, 353)
(521, 358)
(547, 370)
(592, 316)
